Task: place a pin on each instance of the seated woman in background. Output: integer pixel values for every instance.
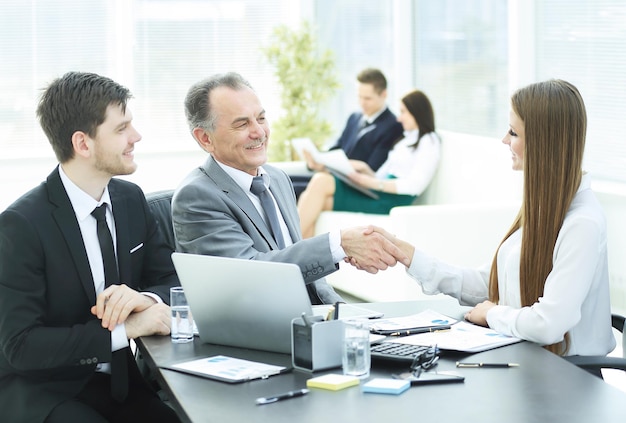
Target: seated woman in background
(405, 174)
(548, 281)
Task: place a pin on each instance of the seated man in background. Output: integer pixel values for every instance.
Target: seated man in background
(218, 210)
(370, 134)
(75, 252)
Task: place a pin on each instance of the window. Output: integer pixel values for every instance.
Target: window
(468, 56)
(585, 43)
(157, 48)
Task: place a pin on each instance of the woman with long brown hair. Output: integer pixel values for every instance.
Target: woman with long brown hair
(548, 281)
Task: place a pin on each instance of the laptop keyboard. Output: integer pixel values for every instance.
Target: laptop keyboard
(394, 351)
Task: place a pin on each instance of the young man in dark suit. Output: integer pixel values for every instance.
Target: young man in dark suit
(67, 312)
(370, 134)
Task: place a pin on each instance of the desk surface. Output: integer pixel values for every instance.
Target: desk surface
(545, 388)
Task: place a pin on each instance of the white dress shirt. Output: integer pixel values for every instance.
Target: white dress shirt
(412, 169)
(576, 293)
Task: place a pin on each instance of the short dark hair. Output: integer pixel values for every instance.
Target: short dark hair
(373, 76)
(197, 104)
(77, 102)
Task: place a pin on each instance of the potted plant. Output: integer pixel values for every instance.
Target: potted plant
(307, 77)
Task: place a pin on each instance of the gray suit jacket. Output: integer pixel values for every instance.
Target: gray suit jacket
(212, 215)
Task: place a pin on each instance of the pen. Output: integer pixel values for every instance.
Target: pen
(336, 311)
(493, 365)
(280, 397)
(419, 330)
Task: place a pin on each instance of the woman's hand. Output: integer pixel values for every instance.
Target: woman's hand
(478, 315)
(361, 167)
(363, 180)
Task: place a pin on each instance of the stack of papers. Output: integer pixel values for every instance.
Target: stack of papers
(386, 386)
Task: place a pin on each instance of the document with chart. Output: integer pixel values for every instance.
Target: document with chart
(463, 337)
(335, 161)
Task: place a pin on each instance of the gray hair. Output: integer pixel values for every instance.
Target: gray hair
(197, 102)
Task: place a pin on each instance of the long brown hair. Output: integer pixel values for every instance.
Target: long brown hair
(555, 124)
(418, 104)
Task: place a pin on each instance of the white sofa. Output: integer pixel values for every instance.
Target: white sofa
(461, 218)
(458, 218)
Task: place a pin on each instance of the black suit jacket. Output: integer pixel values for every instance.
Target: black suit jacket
(377, 139)
(50, 343)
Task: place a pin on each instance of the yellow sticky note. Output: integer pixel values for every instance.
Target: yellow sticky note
(333, 382)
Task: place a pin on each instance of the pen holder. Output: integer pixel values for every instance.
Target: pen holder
(316, 346)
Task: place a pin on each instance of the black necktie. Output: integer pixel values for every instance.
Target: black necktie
(106, 246)
(352, 142)
(119, 366)
(258, 189)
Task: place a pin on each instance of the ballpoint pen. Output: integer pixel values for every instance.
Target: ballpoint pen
(492, 365)
(280, 397)
(418, 330)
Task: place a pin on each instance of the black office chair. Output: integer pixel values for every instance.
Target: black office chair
(160, 203)
(597, 363)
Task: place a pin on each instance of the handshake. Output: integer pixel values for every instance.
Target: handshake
(372, 248)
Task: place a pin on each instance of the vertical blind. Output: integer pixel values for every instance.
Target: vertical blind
(457, 52)
(584, 43)
(157, 48)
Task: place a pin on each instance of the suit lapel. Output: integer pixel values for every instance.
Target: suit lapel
(239, 197)
(120, 214)
(65, 217)
(281, 190)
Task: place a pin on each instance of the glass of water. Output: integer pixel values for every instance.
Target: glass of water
(356, 349)
(182, 320)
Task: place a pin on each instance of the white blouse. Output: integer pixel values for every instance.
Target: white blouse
(576, 293)
(412, 168)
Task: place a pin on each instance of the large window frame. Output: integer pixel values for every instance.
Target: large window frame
(120, 30)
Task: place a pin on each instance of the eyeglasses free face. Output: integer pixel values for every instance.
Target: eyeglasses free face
(425, 361)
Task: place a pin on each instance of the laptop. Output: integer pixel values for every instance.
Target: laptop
(243, 303)
(249, 303)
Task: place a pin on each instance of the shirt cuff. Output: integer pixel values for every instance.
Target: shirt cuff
(154, 296)
(422, 269)
(119, 339)
(334, 239)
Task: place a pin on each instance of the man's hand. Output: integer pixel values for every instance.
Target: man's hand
(311, 163)
(369, 250)
(406, 247)
(155, 320)
(478, 315)
(117, 302)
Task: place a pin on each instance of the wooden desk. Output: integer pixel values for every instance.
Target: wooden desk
(545, 388)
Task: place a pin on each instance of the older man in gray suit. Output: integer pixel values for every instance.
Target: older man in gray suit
(214, 210)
